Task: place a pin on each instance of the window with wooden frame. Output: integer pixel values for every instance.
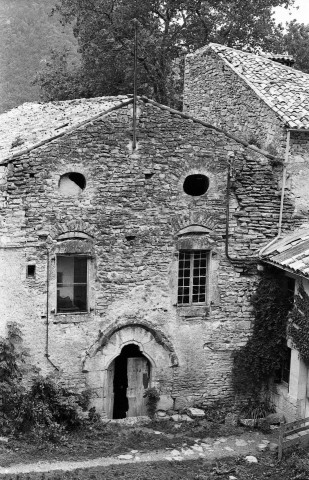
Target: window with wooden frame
(193, 272)
(72, 283)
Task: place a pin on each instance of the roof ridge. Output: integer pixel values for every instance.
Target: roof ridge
(283, 89)
(128, 102)
(262, 56)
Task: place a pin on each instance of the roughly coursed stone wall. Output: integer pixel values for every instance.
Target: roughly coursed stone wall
(298, 174)
(130, 214)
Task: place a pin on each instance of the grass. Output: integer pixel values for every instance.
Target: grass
(101, 440)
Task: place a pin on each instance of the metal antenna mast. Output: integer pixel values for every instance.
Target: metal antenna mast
(135, 85)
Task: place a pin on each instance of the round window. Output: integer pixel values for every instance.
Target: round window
(196, 185)
(72, 184)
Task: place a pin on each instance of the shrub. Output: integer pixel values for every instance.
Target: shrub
(153, 398)
(12, 366)
(46, 410)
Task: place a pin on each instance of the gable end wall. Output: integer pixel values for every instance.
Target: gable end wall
(215, 93)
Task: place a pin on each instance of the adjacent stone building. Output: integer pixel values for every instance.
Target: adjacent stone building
(266, 104)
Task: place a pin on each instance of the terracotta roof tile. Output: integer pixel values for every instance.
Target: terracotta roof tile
(283, 88)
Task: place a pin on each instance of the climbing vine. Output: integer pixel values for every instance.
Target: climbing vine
(298, 328)
(256, 362)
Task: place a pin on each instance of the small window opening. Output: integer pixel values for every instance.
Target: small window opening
(283, 372)
(31, 175)
(290, 291)
(196, 185)
(149, 175)
(71, 184)
(72, 284)
(192, 277)
(130, 238)
(31, 271)
(78, 178)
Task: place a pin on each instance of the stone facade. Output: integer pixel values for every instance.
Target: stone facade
(131, 221)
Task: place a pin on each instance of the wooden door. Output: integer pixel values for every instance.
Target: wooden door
(138, 381)
(109, 393)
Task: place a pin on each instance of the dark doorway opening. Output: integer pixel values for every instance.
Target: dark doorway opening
(123, 404)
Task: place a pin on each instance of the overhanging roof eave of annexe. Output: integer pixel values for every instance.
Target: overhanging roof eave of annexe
(285, 268)
(290, 98)
(125, 103)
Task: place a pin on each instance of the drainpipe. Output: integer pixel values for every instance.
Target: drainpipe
(286, 158)
(47, 317)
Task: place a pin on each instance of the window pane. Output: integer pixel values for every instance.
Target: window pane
(80, 270)
(65, 270)
(80, 297)
(71, 284)
(192, 277)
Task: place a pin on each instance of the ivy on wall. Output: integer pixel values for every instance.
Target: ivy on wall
(298, 327)
(257, 361)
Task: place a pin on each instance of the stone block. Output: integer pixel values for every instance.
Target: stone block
(196, 412)
(165, 403)
(275, 418)
(273, 447)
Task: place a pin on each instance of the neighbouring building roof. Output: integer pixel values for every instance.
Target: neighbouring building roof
(290, 253)
(283, 88)
(31, 123)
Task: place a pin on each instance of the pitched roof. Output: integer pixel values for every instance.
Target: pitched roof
(32, 123)
(290, 253)
(284, 89)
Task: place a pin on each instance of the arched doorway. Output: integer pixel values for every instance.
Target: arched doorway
(128, 377)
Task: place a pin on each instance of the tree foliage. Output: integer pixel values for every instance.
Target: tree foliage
(26, 35)
(296, 43)
(167, 30)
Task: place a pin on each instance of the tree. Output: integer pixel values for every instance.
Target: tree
(296, 43)
(27, 33)
(167, 30)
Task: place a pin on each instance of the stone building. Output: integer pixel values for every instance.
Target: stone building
(265, 104)
(120, 264)
(129, 267)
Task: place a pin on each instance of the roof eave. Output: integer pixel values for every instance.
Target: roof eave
(285, 268)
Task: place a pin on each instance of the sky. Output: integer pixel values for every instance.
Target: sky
(301, 15)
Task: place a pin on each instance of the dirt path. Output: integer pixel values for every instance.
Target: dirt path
(208, 448)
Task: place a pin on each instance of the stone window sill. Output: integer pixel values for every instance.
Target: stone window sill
(75, 317)
(193, 311)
